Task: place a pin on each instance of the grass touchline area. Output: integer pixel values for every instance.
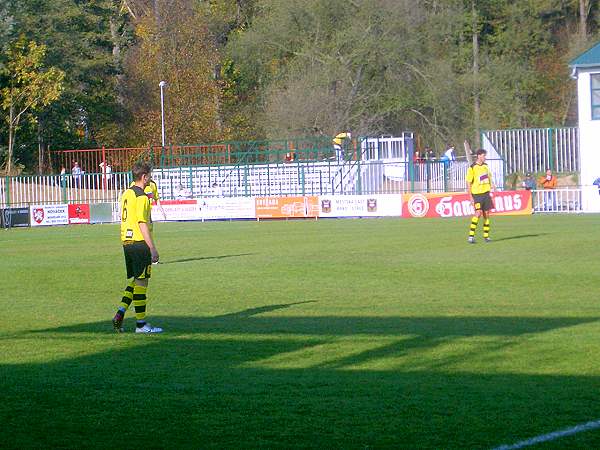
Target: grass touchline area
(365, 333)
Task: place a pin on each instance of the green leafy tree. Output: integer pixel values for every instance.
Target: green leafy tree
(182, 53)
(6, 23)
(79, 41)
(30, 86)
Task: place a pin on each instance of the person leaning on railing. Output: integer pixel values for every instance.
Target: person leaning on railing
(338, 144)
(548, 182)
(528, 183)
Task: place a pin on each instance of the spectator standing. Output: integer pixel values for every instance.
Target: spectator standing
(338, 144)
(76, 173)
(63, 176)
(428, 154)
(528, 183)
(548, 183)
(106, 174)
(449, 153)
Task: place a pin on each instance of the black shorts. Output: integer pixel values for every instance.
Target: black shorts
(483, 202)
(138, 260)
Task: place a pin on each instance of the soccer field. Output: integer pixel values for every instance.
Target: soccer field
(353, 334)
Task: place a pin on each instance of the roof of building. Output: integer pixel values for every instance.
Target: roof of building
(588, 58)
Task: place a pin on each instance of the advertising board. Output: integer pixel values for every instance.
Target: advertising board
(49, 215)
(461, 204)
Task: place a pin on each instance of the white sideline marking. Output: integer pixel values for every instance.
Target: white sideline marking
(552, 436)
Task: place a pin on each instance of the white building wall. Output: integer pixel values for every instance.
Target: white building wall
(589, 142)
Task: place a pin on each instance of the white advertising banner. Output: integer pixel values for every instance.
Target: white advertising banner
(360, 205)
(177, 210)
(206, 209)
(49, 215)
(227, 208)
(116, 211)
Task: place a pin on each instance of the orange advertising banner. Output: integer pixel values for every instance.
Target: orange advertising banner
(286, 207)
(460, 204)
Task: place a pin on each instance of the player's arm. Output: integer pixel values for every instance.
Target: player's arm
(157, 199)
(143, 217)
(148, 238)
(162, 210)
(469, 180)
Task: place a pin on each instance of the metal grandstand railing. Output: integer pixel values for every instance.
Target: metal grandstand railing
(48, 189)
(221, 153)
(537, 149)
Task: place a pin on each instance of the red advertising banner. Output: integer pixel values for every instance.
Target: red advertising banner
(460, 204)
(283, 207)
(79, 213)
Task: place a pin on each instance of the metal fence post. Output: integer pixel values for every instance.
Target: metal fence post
(446, 177)
(7, 190)
(551, 148)
(63, 187)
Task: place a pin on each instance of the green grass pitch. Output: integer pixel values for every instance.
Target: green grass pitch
(376, 333)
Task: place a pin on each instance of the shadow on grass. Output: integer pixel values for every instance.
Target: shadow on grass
(519, 236)
(204, 258)
(254, 380)
(252, 321)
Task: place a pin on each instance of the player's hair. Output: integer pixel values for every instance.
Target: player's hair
(140, 168)
(481, 152)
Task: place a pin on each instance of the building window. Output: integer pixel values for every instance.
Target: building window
(595, 96)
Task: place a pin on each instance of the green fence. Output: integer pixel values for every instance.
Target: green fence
(247, 152)
(221, 153)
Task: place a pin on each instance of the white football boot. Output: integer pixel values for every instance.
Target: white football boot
(148, 329)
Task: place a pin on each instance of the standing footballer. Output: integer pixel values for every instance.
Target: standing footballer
(479, 185)
(139, 249)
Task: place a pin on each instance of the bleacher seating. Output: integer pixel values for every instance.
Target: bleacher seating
(294, 178)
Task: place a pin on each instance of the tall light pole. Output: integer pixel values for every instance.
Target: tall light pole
(162, 85)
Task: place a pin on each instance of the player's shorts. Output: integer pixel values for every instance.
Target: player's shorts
(483, 202)
(138, 259)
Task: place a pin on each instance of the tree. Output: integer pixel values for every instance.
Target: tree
(78, 39)
(6, 23)
(183, 54)
(29, 87)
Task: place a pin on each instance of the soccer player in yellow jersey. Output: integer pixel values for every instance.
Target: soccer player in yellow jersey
(139, 249)
(479, 185)
(152, 192)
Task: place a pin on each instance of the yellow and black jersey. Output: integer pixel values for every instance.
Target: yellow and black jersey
(339, 138)
(151, 191)
(135, 208)
(480, 178)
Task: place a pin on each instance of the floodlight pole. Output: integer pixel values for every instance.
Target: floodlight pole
(162, 85)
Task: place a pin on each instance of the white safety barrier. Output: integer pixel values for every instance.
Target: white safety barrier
(55, 189)
(557, 201)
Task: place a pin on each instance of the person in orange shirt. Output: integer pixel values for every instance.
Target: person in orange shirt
(548, 182)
